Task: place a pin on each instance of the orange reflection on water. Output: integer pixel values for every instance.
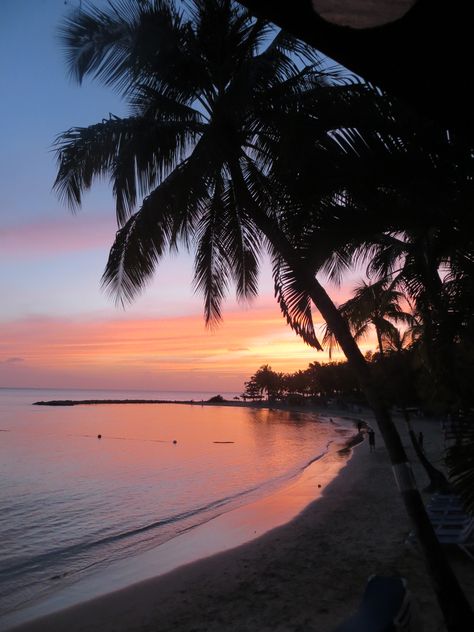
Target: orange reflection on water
(216, 446)
(135, 490)
(241, 525)
(286, 503)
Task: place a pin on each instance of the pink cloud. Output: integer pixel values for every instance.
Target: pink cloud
(13, 360)
(139, 353)
(66, 234)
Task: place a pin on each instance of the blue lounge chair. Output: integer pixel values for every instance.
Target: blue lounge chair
(386, 607)
(450, 522)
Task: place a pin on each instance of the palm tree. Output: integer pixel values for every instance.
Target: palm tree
(376, 305)
(433, 267)
(264, 380)
(215, 98)
(397, 341)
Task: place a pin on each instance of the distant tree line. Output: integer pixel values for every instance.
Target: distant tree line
(205, 160)
(401, 378)
(318, 381)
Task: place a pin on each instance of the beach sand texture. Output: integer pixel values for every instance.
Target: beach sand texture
(306, 576)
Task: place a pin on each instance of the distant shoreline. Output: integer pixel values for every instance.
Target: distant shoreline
(80, 402)
(308, 407)
(195, 402)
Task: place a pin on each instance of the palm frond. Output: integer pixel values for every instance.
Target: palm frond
(168, 214)
(135, 253)
(136, 152)
(154, 102)
(131, 43)
(338, 263)
(242, 243)
(97, 41)
(291, 46)
(329, 340)
(84, 153)
(211, 274)
(294, 302)
(145, 158)
(385, 255)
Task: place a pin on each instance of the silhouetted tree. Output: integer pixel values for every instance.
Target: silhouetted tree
(215, 98)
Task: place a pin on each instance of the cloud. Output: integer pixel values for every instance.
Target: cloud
(140, 352)
(56, 236)
(144, 351)
(13, 360)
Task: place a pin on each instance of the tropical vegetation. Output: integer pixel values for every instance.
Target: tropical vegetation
(239, 141)
(374, 306)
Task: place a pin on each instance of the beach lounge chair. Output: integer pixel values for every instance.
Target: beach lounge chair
(446, 500)
(386, 607)
(451, 523)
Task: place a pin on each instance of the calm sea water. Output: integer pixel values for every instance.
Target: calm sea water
(71, 503)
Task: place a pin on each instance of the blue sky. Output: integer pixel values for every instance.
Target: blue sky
(51, 261)
(39, 101)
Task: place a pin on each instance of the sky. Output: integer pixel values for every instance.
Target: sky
(57, 328)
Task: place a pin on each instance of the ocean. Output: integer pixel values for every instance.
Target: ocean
(72, 504)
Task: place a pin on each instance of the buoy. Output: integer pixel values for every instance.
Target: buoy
(99, 436)
(174, 441)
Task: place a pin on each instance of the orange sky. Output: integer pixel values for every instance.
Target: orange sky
(57, 329)
(163, 353)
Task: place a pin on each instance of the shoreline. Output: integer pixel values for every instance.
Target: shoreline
(256, 515)
(308, 407)
(329, 411)
(96, 402)
(225, 532)
(306, 575)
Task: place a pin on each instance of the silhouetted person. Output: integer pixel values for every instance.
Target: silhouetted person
(371, 434)
(420, 441)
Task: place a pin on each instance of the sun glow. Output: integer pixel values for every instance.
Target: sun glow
(148, 352)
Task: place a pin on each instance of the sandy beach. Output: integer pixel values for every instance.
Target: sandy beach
(305, 576)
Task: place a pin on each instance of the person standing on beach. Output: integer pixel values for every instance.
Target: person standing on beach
(371, 434)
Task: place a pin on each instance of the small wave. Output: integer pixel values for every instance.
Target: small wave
(68, 551)
(52, 557)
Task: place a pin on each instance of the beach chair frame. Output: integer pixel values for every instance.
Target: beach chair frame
(451, 524)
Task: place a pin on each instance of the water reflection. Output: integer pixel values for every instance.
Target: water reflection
(71, 501)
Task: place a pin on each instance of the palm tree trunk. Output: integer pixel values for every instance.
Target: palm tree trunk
(438, 339)
(456, 609)
(379, 340)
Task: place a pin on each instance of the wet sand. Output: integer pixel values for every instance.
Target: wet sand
(305, 576)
